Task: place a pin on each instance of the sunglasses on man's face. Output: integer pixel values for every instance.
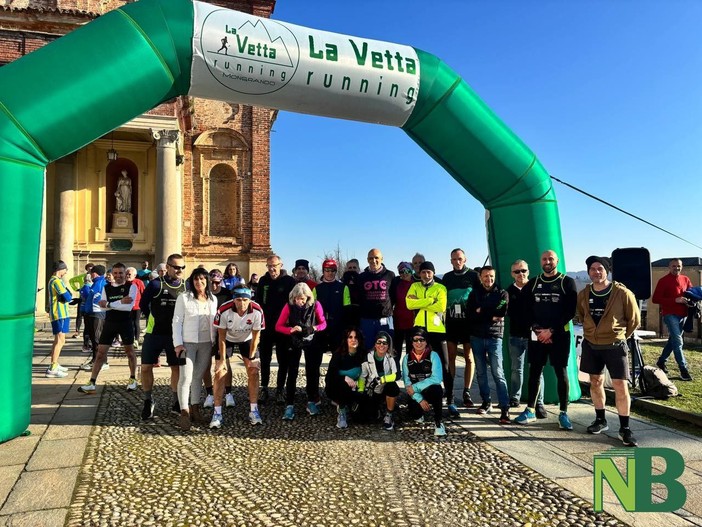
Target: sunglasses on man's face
(520, 271)
(177, 267)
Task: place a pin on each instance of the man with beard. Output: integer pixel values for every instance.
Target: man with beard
(552, 298)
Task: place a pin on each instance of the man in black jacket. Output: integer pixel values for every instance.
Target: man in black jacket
(519, 315)
(487, 306)
(272, 295)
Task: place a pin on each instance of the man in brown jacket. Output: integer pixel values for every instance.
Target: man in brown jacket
(610, 314)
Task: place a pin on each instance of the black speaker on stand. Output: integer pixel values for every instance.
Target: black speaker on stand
(632, 267)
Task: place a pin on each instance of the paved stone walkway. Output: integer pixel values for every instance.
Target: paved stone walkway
(91, 461)
(304, 472)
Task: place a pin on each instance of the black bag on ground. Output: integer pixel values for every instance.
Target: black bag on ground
(657, 383)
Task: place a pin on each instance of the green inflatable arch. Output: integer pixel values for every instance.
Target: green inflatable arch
(78, 88)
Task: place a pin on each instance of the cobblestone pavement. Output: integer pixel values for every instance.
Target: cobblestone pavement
(304, 472)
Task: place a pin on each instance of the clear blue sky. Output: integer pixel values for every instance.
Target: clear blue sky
(606, 94)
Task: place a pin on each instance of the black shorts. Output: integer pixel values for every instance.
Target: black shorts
(614, 357)
(153, 346)
(242, 348)
(457, 330)
(557, 352)
(112, 328)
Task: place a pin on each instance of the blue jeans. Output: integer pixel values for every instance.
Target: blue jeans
(675, 324)
(518, 354)
(484, 350)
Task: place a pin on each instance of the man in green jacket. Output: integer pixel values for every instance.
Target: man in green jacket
(610, 314)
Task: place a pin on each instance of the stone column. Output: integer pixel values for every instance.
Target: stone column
(64, 217)
(169, 192)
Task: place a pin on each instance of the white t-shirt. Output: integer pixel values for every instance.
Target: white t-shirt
(239, 328)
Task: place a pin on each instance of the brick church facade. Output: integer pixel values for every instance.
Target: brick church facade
(199, 169)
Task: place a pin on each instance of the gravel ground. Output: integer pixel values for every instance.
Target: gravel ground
(303, 473)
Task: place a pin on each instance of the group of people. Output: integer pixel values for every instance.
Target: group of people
(363, 318)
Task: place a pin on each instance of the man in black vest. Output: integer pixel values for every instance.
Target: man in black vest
(552, 298)
(118, 299)
(158, 304)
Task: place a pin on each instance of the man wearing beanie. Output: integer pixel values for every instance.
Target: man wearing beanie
(428, 299)
(59, 297)
(552, 298)
(610, 314)
(301, 272)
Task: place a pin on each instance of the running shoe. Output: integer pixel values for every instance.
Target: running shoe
(313, 409)
(419, 420)
(229, 401)
(87, 389)
(216, 421)
(132, 384)
(148, 411)
(467, 401)
(341, 419)
(55, 373)
(104, 367)
(209, 402)
(504, 416)
(564, 422)
(255, 417)
(289, 413)
(527, 416)
(87, 365)
(86, 349)
(485, 408)
(440, 430)
(685, 375)
(388, 422)
(627, 438)
(514, 403)
(598, 426)
(453, 410)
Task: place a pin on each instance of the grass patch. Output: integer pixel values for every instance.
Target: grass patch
(691, 391)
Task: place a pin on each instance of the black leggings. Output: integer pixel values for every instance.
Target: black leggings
(557, 353)
(292, 365)
(341, 393)
(434, 396)
(437, 341)
(313, 361)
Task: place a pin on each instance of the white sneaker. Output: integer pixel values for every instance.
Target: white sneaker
(88, 389)
(86, 349)
(216, 421)
(61, 368)
(87, 365)
(132, 385)
(229, 401)
(209, 402)
(104, 367)
(57, 374)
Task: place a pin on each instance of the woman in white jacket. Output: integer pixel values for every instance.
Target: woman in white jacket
(378, 381)
(193, 336)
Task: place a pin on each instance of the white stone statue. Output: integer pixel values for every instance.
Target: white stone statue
(124, 193)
